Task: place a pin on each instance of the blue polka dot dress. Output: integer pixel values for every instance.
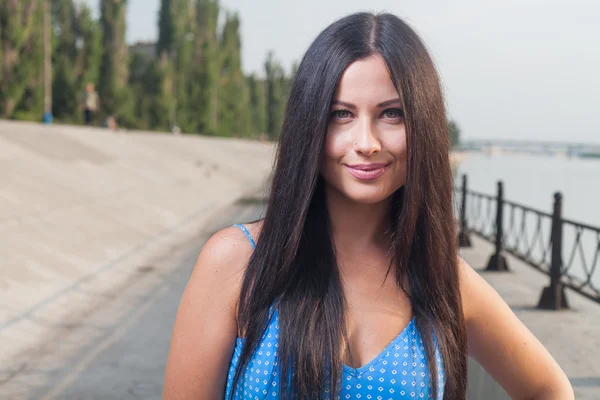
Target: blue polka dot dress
(399, 372)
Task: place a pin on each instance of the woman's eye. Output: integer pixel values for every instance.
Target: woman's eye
(393, 113)
(341, 114)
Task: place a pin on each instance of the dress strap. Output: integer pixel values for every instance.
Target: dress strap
(248, 236)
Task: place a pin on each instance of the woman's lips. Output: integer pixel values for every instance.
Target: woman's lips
(367, 172)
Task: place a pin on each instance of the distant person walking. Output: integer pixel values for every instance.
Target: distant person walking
(90, 105)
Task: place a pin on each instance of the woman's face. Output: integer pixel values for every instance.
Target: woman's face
(365, 148)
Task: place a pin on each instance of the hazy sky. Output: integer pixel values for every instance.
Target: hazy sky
(519, 69)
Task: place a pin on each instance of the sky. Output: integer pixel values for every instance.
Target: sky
(511, 69)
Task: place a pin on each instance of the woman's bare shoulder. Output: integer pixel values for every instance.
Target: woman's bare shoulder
(229, 250)
(206, 325)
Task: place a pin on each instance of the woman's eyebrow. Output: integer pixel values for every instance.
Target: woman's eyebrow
(343, 104)
(352, 106)
(389, 102)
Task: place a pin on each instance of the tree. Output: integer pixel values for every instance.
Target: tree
(21, 34)
(177, 29)
(258, 104)
(454, 133)
(277, 88)
(234, 113)
(115, 99)
(195, 81)
(151, 89)
(76, 57)
(184, 48)
(1, 40)
(205, 70)
(166, 28)
(64, 95)
(89, 43)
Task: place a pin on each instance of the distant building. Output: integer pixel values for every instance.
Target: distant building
(148, 49)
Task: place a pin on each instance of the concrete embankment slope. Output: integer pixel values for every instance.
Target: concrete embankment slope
(81, 207)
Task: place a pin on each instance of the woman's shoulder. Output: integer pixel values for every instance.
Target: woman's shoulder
(218, 274)
(230, 248)
(227, 252)
(205, 329)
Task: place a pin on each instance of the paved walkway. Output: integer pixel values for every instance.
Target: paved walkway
(116, 348)
(82, 210)
(572, 337)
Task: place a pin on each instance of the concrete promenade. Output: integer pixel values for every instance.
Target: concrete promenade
(117, 347)
(83, 210)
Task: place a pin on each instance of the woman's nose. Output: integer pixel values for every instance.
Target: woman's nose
(366, 141)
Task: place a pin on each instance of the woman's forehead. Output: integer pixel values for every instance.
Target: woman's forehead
(366, 81)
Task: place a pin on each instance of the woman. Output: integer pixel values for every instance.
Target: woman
(354, 285)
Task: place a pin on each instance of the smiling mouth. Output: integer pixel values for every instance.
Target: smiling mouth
(367, 172)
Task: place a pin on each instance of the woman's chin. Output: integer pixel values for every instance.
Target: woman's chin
(361, 192)
(366, 195)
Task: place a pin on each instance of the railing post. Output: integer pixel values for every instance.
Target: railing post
(497, 261)
(553, 296)
(463, 236)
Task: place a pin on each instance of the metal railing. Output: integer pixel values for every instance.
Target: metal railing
(535, 237)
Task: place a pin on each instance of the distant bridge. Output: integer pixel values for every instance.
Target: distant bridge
(540, 147)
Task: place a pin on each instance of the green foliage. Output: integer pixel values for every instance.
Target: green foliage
(90, 35)
(165, 28)
(178, 31)
(234, 112)
(148, 80)
(76, 58)
(183, 48)
(64, 94)
(277, 88)
(258, 104)
(1, 43)
(115, 98)
(21, 34)
(205, 70)
(193, 79)
(453, 133)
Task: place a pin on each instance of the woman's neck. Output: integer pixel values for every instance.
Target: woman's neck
(357, 226)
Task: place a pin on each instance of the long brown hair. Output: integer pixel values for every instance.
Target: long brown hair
(294, 266)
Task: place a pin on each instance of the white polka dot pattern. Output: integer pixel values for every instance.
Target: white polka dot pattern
(399, 372)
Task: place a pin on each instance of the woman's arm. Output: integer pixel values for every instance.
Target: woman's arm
(507, 350)
(205, 328)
